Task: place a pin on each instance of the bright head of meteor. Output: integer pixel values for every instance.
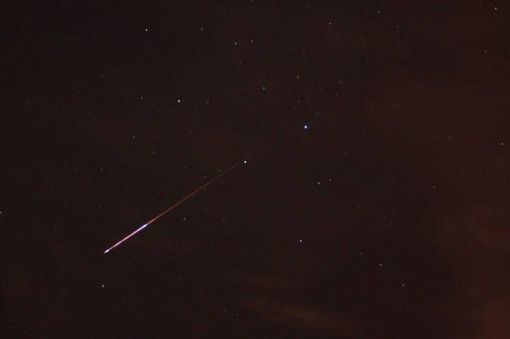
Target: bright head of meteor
(130, 235)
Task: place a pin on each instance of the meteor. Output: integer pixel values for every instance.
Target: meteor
(172, 207)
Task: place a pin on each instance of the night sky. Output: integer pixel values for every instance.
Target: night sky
(375, 199)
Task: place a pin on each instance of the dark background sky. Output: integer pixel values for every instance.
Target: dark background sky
(375, 200)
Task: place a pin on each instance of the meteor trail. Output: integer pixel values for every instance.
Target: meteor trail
(173, 207)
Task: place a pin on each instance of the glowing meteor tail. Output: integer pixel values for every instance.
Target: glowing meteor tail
(172, 207)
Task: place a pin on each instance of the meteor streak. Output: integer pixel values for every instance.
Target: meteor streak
(190, 195)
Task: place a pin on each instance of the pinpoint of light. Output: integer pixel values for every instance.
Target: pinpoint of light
(305, 126)
(245, 162)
